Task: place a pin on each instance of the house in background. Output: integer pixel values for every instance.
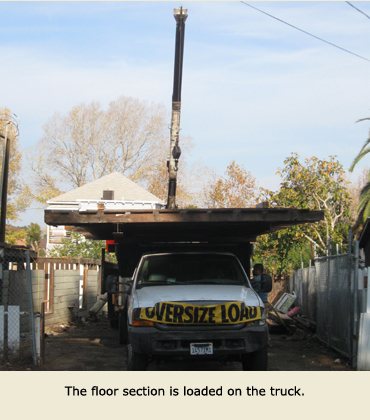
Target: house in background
(113, 191)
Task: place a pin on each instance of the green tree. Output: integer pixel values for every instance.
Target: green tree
(364, 197)
(77, 246)
(34, 236)
(299, 256)
(315, 185)
(14, 235)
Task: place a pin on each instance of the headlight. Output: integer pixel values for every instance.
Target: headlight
(259, 322)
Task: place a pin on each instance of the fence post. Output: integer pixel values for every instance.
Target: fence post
(37, 320)
(2, 331)
(350, 295)
(355, 305)
(328, 291)
(28, 263)
(42, 334)
(81, 287)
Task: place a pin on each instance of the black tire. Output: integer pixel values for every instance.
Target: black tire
(256, 360)
(123, 330)
(136, 361)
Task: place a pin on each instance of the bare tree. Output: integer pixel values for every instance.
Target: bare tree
(89, 142)
(131, 137)
(139, 135)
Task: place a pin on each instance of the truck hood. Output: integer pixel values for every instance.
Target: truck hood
(147, 297)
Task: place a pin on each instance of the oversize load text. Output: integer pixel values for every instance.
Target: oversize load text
(182, 313)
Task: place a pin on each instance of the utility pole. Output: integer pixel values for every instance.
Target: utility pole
(180, 15)
(4, 182)
(8, 120)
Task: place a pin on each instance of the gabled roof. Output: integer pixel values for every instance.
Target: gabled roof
(124, 189)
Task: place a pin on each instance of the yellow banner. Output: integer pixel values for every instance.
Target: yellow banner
(184, 313)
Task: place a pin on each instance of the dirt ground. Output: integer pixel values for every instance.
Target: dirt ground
(94, 346)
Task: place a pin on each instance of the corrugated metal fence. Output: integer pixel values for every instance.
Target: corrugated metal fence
(325, 294)
(334, 316)
(302, 282)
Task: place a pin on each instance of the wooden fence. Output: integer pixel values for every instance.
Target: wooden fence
(69, 287)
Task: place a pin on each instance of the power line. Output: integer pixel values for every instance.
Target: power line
(305, 32)
(358, 9)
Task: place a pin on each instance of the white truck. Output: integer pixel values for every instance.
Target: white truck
(195, 304)
(188, 270)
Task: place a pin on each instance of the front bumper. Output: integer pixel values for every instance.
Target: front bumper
(176, 341)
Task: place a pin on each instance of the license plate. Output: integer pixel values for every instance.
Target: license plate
(201, 348)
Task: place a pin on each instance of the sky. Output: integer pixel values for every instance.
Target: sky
(254, 89)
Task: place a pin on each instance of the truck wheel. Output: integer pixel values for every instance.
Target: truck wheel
(123, 331)
(256, 360)
(136, 361)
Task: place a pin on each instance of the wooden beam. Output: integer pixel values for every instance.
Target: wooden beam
(53, 217)
(240, 225)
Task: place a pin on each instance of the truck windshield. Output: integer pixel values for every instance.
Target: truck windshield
(176, 269)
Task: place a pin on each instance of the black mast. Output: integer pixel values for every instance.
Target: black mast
(180, 15)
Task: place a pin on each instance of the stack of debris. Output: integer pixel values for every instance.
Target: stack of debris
(284, 320)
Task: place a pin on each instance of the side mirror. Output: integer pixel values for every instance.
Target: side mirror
(126, 285)
(111, 284)
(266, 283)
